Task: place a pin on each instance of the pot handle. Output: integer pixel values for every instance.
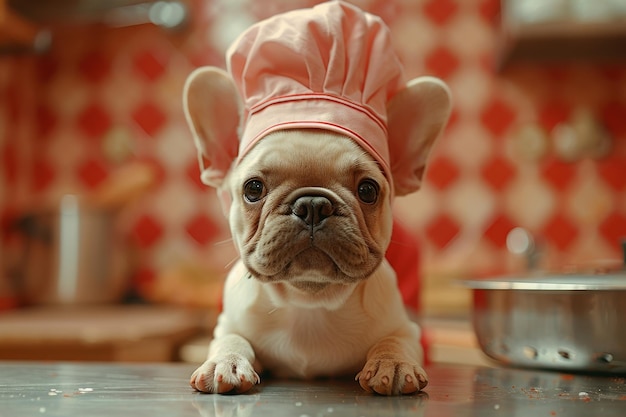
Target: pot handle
(30, 229)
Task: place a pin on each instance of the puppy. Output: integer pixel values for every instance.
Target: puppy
(310, 212)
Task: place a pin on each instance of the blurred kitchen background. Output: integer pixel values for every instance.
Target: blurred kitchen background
(90, 110)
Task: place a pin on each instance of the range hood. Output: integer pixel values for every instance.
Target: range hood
(24, 23)
(116, 12)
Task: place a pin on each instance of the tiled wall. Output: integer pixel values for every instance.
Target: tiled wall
(63, 112)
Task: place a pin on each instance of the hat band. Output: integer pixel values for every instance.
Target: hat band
(319, 96)
(321, 111)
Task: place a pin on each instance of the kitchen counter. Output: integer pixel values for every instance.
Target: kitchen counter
(122, 333)
(98, 389)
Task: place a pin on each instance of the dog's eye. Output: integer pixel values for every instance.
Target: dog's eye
(254, 190)
(368, 191)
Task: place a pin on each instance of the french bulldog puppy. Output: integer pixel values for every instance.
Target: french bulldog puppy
(311, 216)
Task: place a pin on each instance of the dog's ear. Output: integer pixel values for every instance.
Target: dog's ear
(416, 116)
(213, 110)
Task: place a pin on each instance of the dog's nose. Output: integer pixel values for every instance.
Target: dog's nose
(312, 209)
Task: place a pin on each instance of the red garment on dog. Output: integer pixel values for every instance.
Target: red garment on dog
(403, 255)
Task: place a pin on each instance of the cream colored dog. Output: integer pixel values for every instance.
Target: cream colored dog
(310, 214)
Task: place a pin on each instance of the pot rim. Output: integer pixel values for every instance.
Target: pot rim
(552, 282)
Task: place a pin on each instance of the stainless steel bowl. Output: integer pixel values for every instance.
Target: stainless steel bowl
(565, 322)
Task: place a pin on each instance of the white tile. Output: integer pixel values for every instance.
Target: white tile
(467, 143)
(590, 200)
(469, 37)
(417, 209)
(471, 203)
(529, 201)
(471, 87)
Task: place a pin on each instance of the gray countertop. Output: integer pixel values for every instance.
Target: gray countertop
(98, 389)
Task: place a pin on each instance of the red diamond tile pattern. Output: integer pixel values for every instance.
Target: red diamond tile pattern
(44, 173)
(489, 10)
(613, 115)
(442, 172)
(13, 103)
(152, 65)
(442, 230)
(202, 229)
(149, 117)
(560, 231)
(498, 230)
(554, 113)
(613, 229)
(147, 231)
(193, 175)
(613, 172)
(144, 276)
(441, 62)
(9, 167)
(498, 173)
(94, 121)
(497, 116)
(558, 174)
(46, 121)
(144, 279)
(91, 173)
(94, 67)
(440, 11)
(47, 66)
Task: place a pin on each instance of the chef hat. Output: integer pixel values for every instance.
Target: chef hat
(330, 67)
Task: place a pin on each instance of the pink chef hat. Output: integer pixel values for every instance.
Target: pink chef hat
(330, 67)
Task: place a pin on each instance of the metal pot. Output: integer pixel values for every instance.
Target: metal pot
(569, 322)
(70, 255)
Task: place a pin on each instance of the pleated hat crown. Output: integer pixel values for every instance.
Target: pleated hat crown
(330, 67)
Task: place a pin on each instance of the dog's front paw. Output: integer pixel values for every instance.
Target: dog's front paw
(391, 377)
(225, 374)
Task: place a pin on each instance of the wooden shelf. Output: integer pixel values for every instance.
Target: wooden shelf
(563, 42)
(13, 28)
